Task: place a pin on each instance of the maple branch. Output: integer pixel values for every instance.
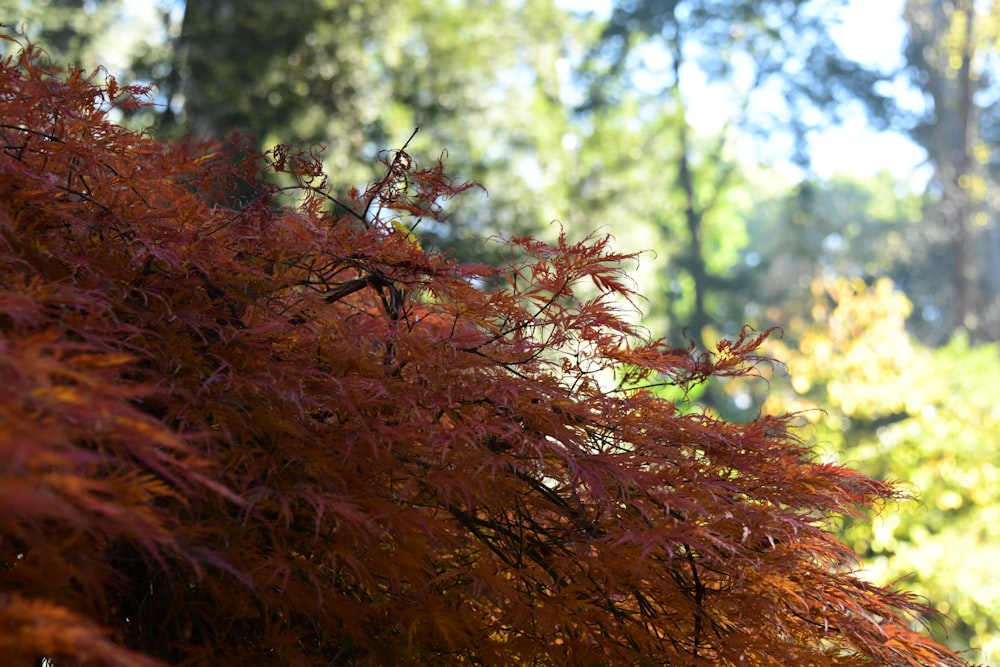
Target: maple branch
(326, 195)
(352, 286)
(27, 130)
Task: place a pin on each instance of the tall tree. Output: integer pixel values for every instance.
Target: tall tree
(758, 50)
(298, 72)
(952, 56)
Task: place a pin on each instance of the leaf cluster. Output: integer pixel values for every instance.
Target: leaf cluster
(236, 432)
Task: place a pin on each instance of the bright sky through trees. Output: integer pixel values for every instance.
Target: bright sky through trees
(869, 32)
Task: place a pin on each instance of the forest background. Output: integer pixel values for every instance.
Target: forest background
(886, 286)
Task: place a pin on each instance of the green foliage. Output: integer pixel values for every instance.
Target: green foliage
(72, 31)
(236, 432)
(844, 228)
(898, 410)
(945, 546)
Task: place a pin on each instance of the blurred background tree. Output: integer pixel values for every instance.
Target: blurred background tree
(72, 31)
(687, 127)
(952, 57)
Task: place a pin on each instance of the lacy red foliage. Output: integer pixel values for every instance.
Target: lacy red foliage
(236, 433)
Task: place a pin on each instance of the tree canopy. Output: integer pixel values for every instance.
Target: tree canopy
(236, 431)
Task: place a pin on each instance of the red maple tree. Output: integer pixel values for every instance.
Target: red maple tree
(239, 433)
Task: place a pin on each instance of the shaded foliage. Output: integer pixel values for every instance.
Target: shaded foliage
(238, 432)
(358, 75)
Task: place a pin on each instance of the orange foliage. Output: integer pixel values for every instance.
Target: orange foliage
(236, 433)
